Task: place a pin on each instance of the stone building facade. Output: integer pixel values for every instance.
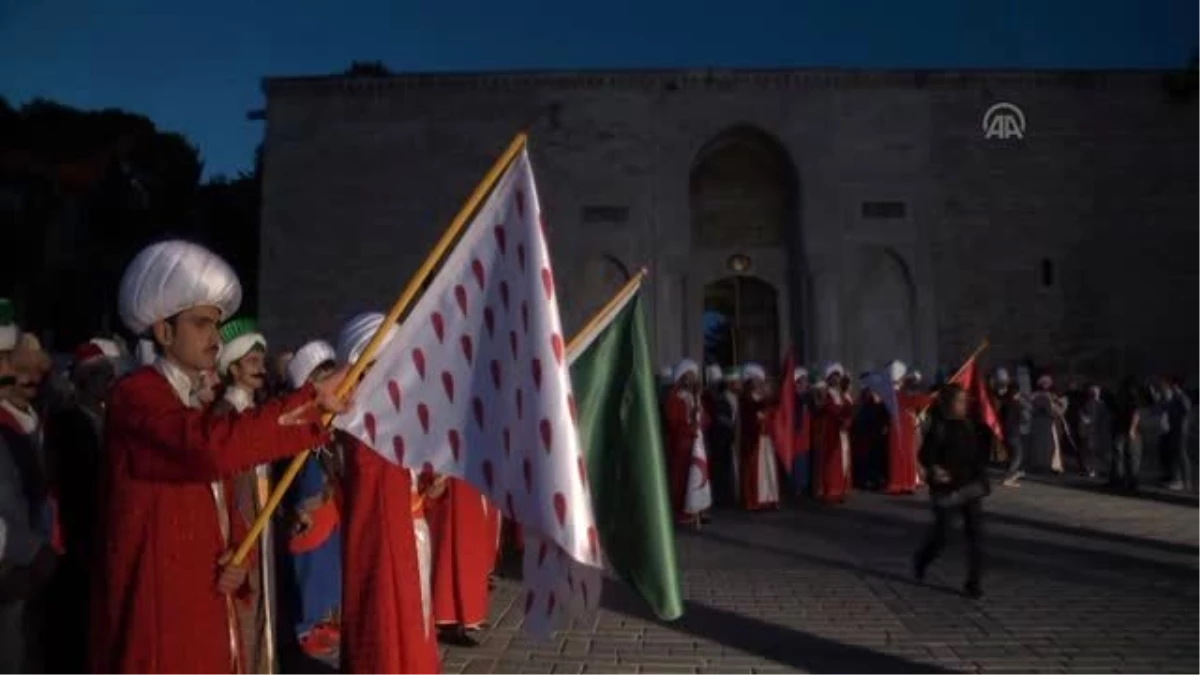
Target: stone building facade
(858, 216)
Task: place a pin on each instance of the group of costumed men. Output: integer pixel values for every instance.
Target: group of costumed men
(119, 517)
(725, 438)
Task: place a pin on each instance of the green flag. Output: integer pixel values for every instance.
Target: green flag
(612, 375)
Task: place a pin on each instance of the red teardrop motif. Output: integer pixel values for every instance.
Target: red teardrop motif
(369, 424)
(418, 358)
(525, 316)
(455, 443)
(394, 394)
(594, 543)
(550, 604)
(468, 349)
(398, 448)
(496, 373)
(521, 256)
(477, 404)
(448, 385)
(439, 326)
(520, 404)
(460, 296)
(504, 294)
(537, 374)
(556, 344)
(520, 197)
(507, 443)
(545, 430)
(542, 551)
(501, 240)
(547, 283)
(477, 270)
(527, 469)
(489, 321)
(423, 416)
(571, 408)
(560, 508)
(528, 601)
(582, 466)
(512, 342)
(488, 478)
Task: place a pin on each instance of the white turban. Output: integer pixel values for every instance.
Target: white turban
(1045, 382)
(915, 376)
(172, 276)
(306, 360)
(753, 371)
(897, 370)
(685, 366)
(713, 374)
(799, 374)
(239, 337)
(107, 347)
(358, 332)
(834, 369)
(1002, 376)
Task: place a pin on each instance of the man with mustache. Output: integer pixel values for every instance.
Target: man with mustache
(242, 365)
(165, 587)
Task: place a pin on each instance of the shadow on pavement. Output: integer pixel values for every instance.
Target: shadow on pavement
(786, 646)
(1146, 493)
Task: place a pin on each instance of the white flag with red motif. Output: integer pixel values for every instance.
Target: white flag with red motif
(475, 385)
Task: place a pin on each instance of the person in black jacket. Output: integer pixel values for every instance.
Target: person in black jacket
(955, 459)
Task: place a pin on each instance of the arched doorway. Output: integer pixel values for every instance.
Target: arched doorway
(741, 322)
(744, 249)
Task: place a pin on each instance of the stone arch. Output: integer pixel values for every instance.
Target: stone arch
(743, 195)
(742, 191)
(882, 316)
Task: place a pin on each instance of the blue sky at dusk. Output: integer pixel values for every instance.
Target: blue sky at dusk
(196, 67)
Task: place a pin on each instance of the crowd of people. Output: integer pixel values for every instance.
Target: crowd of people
(129, 478)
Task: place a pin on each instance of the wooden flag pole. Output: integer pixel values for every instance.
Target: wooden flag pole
(415, 285)
(599, 317)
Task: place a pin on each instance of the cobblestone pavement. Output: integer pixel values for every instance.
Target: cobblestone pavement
(1078, 580)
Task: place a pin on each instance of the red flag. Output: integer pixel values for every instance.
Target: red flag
(782, 429)
(972, 381)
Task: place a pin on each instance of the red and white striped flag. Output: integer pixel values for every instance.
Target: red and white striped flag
(475, 385)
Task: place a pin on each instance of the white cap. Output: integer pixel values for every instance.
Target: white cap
(799, 374)
(683, 368)
(1002, 375)
(145, 352)
(306, 359)
(172, 276)
(896, 370)
(834, 368)
(714, 374)
(358, 332)
(753, 371)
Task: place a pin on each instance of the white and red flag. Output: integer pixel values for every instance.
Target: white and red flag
(475, 385)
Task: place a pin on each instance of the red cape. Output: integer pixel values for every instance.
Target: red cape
(464, 546)
(155, 607)
(383, 623)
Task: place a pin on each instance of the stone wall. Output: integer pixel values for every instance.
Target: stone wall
(361, 175)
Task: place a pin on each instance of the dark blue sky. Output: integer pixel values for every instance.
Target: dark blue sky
(195, 67)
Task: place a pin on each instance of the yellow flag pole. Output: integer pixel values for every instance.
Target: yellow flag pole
(415, 285)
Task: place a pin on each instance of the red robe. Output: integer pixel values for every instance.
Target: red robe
(155, 606)
(682, 426)
(902, 450)
(831, 426)
(383, 622)
(754, 420)
(464, 552)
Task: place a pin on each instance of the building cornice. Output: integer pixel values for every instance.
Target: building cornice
(713, 79)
